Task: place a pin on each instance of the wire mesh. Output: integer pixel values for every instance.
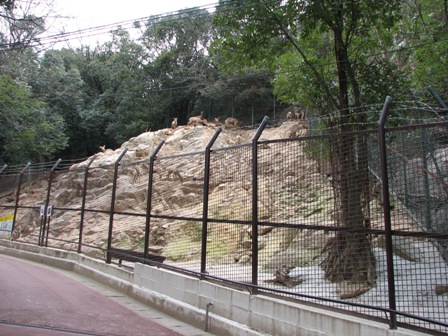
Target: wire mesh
(95, 233)
(67, 189)
(129, 232)
(62, 229)
(231, 184)
(319, 246)
(33, 190)
(99, 188)
(26, 224)
(229, 254)
(178, 186)
(321, 222)
(181, 243)
(131, 188)
(293, 192)
(417, 165)
(177, 190)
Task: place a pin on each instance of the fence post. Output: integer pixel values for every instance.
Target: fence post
(46, 227)
(83, 202)
(205, 200)
(2, 170)
(387, 219)
(18, 195)
(439, 100)
(255, 202)
(149, 196)
(112, 205)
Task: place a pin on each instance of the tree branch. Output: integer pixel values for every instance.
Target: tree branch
(305, 59)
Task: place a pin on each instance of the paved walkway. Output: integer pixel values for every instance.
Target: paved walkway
(37, 300)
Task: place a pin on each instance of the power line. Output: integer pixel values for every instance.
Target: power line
(130, 24)
(177, 16)
(107, 28)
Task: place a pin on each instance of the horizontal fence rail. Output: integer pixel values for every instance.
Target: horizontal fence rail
(349, 220)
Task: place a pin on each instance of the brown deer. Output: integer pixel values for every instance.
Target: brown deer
(174, 123)
(231, 121)
(197, 120)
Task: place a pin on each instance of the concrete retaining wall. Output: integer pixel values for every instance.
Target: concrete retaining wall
(231, 311)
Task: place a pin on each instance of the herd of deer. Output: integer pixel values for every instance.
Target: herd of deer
(297, 115)
(195, 121)
(200, 120)
(229, 122)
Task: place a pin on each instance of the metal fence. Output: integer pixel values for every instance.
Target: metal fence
(355, 221)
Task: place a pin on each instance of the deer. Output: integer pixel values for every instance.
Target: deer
(174, 123)
(197, 120)
(231, 121)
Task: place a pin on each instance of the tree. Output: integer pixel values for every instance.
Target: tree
(423, 35)
(58, 83)
(326, 35)
(178, 65)
(248, 97)
(113, 76)
(28, 131)
(21, 22)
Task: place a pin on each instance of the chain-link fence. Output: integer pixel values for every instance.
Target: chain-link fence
(353, 220)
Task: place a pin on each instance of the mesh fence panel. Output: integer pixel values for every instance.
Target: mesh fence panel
(62, 229)
(231, 184)
(228, 238)
(323, 208)
(178, 188)
(296, 195)
(67, 189)
(129, 232)
(34, 186)
(182, 244)
(95, 233)
(99, 188)
(417, 166)
(178, 185)
(321, 224)
(131, 188)
(33, 194)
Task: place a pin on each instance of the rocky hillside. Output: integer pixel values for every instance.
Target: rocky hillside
(292, 189)
(178, 192)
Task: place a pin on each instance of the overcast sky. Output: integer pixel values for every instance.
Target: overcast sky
(82, 14)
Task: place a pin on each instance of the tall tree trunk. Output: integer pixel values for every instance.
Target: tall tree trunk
(349, 255)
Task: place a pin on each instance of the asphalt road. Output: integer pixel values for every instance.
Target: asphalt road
(38, 300)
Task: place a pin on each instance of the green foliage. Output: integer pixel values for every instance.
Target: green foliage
(244, 97)
(296, 83)
(229, 63)
(424, 38)
(28, 131)
(320, 50)
(324, 55)
(179, 67)
(59, 84)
